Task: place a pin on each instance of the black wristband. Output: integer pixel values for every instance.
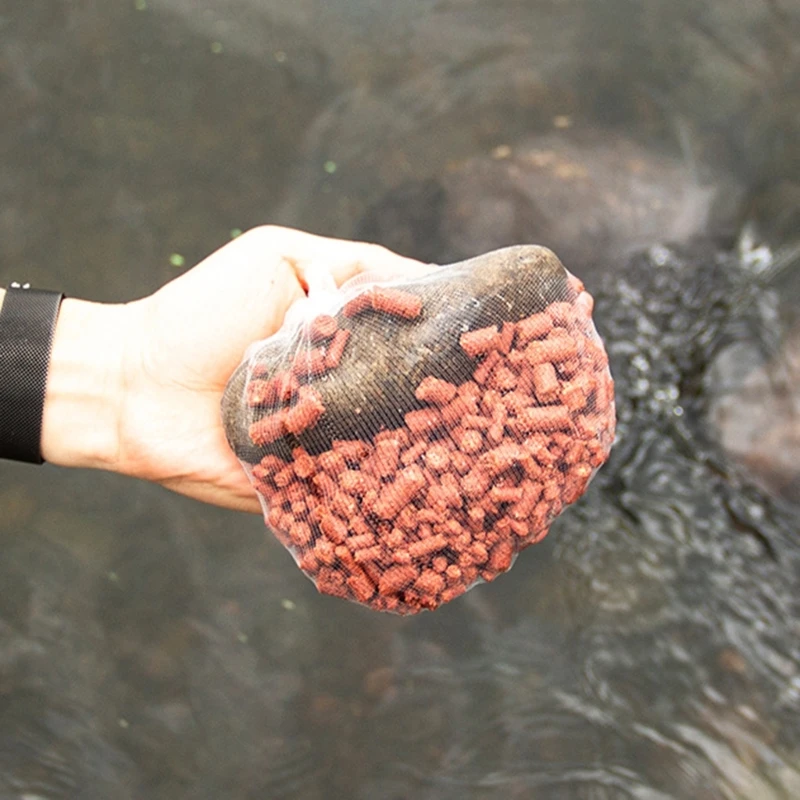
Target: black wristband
(27, 322)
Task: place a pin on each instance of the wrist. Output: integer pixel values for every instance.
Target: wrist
(83, 398)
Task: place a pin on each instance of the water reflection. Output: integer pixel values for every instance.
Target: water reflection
(153, 648)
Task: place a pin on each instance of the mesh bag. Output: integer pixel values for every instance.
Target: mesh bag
(408, 439)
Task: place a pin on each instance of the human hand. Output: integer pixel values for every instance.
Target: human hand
(136, 388)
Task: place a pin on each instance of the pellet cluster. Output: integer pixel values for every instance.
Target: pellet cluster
(416, 515)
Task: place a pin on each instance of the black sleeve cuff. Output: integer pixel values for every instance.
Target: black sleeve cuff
(27, 322)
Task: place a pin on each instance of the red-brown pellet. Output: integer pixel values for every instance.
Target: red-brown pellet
(545, 382)
(490, 401)
(299, 509)
(331, 462)
(479, 342)
(503, 379)
(506, 337)
(334, 528)
(389, 301)
(361, 586)
(544, 418)
(351, 450)
(366, 554)
(439, 564)
(279, 388)
(562, 314)
(361, 302)
(326, 485)
(261, 393)
(286, 385)
(573, 396)
(335, 349)
(462, 462)
(429, 582)
(413, 453)
(343, 504)
(322, 327)
(479, 552)
(453, 412)
(472, 441)
(452, 592)
(399, 435)
(484, 369)
(574, 453)
(308, 562)
(536, 326)
(387, 457)
(522, 509)
(569, 368)
(423, 421)
(397, 303)
(424, 547)
(451, 494)
(355, 481)
(268, 466)
(305, 413)
(470, 389)
(501, 556)
(551, 490)
(397, 578)
(398, 494)
(359, 541)
(519, 527)
(428, 515)
(436, 391)
(309, 363)
(476, 482)
(324, 551)
(503, 457)
(475, 518)
(476, 421)
(437, 458)
(506, 494)
(558, 348)
(303, 464)
(268, 429)
(331, 582)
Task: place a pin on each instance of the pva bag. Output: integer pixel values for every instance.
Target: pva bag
(408, 438)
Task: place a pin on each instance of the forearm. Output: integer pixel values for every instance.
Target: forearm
(84, 386)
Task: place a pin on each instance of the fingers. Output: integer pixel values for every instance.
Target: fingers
(235, 495)
(241, 293)
(340, 258)
(261, 273)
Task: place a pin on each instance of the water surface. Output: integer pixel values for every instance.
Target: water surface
(154, 648)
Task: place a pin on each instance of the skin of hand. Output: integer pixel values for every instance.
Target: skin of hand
(136, 388)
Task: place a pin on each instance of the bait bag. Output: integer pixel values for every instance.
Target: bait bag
(408, 438)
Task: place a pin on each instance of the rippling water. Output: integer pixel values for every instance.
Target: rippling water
(648, 649)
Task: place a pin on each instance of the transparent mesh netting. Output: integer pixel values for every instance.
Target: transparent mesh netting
(408, 439)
